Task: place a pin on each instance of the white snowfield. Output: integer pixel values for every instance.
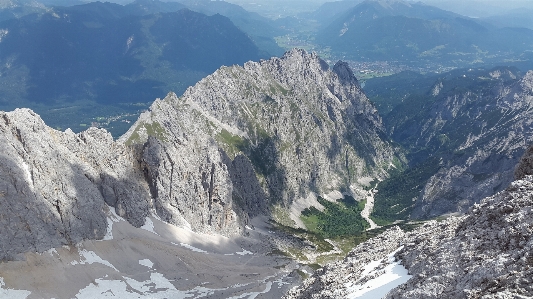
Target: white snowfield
(158, 260)
(385, 275)
(11, 293)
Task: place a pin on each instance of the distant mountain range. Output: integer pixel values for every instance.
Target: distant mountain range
(417, 33)
(102, 52)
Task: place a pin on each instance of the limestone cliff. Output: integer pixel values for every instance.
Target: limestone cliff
(291, 124)
(54, 185)
(239, 141)
(471, 129)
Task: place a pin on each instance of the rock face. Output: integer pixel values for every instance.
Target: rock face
(474, 126)
(505, 129)
(485, 254)
(54, 185)
(239, 141)
(278, 129)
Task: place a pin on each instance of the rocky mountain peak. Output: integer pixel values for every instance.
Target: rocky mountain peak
(345, 73)
(240, 141)
(292, 120)
(527, 83)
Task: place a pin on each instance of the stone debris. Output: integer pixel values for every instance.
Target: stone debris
(487, 253)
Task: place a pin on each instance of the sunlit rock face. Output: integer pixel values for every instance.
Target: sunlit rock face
(239, 141)
(265, 133)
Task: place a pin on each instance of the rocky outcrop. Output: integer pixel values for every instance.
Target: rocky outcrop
(484, 132)
(330, 281)
(277, 130)
(239, 141)
(54, 185)
(485, 254)
(525, 167)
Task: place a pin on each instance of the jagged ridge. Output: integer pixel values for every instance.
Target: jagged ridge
(240, 140)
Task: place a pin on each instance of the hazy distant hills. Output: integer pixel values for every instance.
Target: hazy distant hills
(414, 32)
(515, 18)
(102, 52)
(10, 9)
(260, 29)
(329, 11)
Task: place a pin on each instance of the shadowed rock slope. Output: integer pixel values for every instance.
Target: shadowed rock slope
(484, 254)
(487, 128)
(54, 185)
(239, 141)
(464, 133)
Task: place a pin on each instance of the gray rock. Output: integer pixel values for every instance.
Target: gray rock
(487, 253)
(54, 185)
(485, 158)
(46, 196)
(237, 142)
(277, 130)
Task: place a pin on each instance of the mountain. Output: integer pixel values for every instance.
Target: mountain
(463, 137)
(485, 253)
(148, 7)
(11, 9)
(302, 128)
(97, 52)
(104, 61)
(262, 139)
(520, 17)
(260, 29)
(330, 11)
(416, 33)
(480, 8)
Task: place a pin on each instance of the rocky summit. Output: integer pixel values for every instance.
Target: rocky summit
(486, 253)
(242, 140)
(246, 138)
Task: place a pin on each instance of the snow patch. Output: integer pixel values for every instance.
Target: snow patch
(147, 263)
(11, 293)
(156, 287)
(149, 225)
(53, 252)
(383, 279)
(27, 172)
(90, 257)
(244, 252)
(254, 294)
(191, 247)
(111, 218)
